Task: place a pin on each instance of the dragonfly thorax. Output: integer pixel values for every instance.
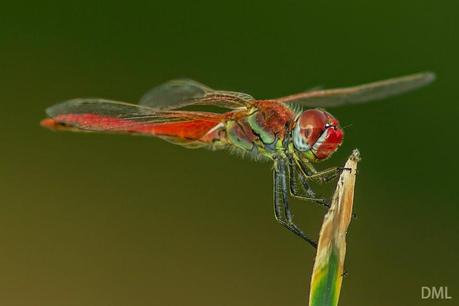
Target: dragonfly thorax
(263, 130)
(316, 134)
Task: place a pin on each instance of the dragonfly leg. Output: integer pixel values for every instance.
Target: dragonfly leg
(303, 174)
(327, 175)
(304, 191)
(322, 202)
(282, 211)
(324, 176)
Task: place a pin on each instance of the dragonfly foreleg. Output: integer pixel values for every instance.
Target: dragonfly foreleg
(303, 173)
(304, 191)
(308, 172)
(282, 211)
(326, 175)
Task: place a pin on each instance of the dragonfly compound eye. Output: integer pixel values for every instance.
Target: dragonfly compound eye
(309, 126)
(317, 131)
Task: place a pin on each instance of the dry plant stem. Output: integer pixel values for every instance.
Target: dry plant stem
(328, 269)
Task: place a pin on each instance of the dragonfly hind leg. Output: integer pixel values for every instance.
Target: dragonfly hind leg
(282, 211)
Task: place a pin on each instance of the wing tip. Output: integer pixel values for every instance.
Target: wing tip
(62, 107)
(427, 77)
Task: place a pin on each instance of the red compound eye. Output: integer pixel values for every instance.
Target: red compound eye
(311, 125)
(332, 139)
(319, 132)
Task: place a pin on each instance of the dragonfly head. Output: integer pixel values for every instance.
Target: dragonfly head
(317, 134)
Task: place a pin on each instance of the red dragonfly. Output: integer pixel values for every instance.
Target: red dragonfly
(273, 129)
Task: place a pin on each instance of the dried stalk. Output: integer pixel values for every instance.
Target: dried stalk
(328, 269)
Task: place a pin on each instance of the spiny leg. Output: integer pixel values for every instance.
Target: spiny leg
(281, 201)
(305, 189)
(305, 171)
(327, 175)
(303, 192)
(310, 173)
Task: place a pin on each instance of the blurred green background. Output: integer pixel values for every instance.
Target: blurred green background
(118, 220)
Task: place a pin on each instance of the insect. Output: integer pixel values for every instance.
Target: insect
(264, 129)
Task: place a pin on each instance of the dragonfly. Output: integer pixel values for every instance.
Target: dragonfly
(294, 132)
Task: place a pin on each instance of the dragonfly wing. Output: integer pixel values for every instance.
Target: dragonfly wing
(180, 93)
(99, 115)
(101, 107)
(362, 93)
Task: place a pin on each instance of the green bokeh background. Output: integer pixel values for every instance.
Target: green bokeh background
(116, 220)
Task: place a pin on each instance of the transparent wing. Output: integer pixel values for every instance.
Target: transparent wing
(180, 93)
(95, 114)
(362, 93)
(98, 106)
